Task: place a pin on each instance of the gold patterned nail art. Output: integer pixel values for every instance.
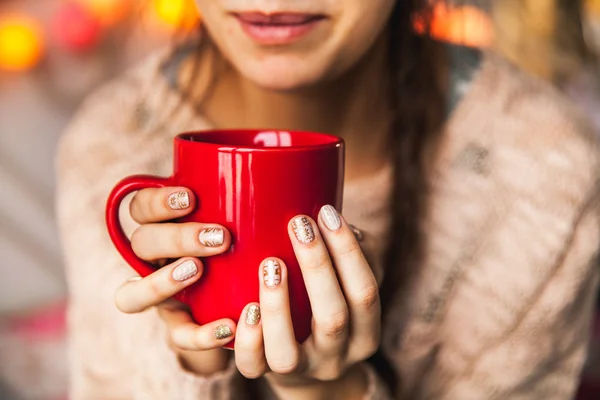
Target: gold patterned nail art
(179, 200)
(222, 332)
(303, 230)
(253, 315)
(211, 237)
(272, 273)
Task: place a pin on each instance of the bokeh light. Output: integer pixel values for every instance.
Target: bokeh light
(176, 14)
(21, 43)
(108, 12)
(76, 28)
(593, 7)
(464, 25)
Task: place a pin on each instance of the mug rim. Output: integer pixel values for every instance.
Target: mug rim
(333, 141)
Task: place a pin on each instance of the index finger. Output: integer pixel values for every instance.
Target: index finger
(161, 204)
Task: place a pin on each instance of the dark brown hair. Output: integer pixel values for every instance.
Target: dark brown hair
(418, 68)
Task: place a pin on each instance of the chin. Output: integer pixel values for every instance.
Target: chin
(284, 73)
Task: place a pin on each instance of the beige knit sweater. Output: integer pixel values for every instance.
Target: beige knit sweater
(499, 309)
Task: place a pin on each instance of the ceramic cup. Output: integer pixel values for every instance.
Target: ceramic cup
(253, 182)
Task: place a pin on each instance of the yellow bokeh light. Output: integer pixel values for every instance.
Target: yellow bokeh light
(176, 13)
(21, 45)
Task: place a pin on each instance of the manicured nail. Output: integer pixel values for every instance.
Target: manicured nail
(185, 271)
(253, 315)
(272, 273)
(331, 218)
(211, 237)
(222, 332)
(303, 230)
(179, 200)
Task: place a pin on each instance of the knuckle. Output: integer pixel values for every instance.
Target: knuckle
(140, 208)
(351, 249)
(175, 338)
(368, 298)
(271, 308)
(319, 264)
(335, 326)
(137, 241)
(134, 207)
(124, 305)
(120, 304)
(178, 240)
(155, 287)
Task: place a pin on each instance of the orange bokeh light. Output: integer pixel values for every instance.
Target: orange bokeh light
(21, 44)
(593, 6)
(107, 12)
(464, 25)
(176, 14)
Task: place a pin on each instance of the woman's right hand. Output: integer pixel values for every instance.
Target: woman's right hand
(198, 347)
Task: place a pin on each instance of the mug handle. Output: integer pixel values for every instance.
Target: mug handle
(113, 223)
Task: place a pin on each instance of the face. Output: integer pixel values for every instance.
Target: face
(290, 44)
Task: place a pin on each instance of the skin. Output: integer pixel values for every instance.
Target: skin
(331, 80)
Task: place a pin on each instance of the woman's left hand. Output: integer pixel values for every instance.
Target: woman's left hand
(344, 297)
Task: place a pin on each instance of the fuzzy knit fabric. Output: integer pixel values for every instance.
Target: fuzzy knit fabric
(500, 307)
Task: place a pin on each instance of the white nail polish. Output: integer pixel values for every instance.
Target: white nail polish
(211, 237)
(179, 200)
(331, 218)
(303, 230)
(271, 273)
(184, 271)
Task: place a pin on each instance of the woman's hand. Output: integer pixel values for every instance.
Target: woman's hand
(199, 347)
(344, 298)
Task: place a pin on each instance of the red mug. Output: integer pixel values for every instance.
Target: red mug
(253, 182)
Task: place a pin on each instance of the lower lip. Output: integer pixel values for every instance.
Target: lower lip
(278, 34)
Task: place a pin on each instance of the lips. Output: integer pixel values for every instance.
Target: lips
(278, 19)
(279, 28)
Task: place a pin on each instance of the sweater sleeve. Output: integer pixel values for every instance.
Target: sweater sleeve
(541, 356)
(113, 355)
(503, 304)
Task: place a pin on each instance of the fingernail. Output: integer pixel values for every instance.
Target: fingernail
(303, 230)
(222, 332)
(253, 315)
(331, 218)
(179, 200)
(271, 273)
(184, 271)
(211, 237)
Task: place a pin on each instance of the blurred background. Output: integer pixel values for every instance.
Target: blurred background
(54, 52)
